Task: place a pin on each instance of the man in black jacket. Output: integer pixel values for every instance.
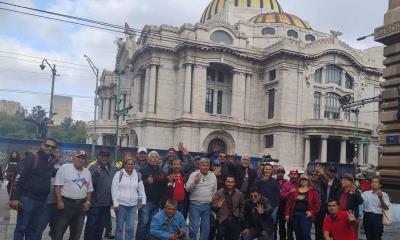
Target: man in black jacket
(244, 175)
(31, 187)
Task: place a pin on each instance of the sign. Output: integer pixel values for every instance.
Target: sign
(394, 139)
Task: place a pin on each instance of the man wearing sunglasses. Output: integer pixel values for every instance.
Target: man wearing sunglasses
(30, 190)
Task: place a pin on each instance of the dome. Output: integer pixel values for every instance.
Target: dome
(217, 5)
(281, 17)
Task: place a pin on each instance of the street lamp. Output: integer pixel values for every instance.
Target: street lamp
(364, 37)
(53, 76)
(94, 134)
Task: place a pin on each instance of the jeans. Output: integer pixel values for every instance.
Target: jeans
(274, 217)
(30, 218)
(95, 222)
(71, 216)
(302, 226)
(108, 223)
(145, 216)
(125, 215)
(229, 229)
(373, 226)
(199, 216)
(48, 218)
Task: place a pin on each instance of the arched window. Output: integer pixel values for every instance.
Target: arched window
(248, 3)
(268, 31)
(333, 74)
(236, 3)
(349, 84)
(318, 75)
(310, 37)
(332, 106)
(221, 37)
(293, 34)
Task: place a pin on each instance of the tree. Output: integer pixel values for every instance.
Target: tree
(13, 126)
(70, 131)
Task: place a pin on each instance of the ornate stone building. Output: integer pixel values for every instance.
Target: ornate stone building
(248, 78)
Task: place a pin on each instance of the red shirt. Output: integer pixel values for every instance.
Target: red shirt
(343, 201)
(365, 185)
(179, 190)
(340, 228)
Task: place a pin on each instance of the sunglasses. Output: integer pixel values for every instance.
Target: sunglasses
(81, 157)
(253, 195)
(222, 156)
(50, 146)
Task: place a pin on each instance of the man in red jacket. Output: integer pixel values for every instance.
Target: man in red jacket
(339, 224)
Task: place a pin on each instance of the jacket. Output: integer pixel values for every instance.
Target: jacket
(102, 179)
(33, 178)
(162, 226)
(239, 176)
(127, 190)
(270, 189)
(286, 189)
(333, 192)
(153, 191)
(314, 203)
(353, 202)
(252, 219)
(237, 204)
(169, 189)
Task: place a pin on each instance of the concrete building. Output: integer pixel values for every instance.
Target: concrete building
(247, 78)
(63, 107)
(9, 107)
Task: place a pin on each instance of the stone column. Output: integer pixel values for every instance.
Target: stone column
(215, 105)
(343, 83)
(187, 99)
(247, 97)
(238, 88)
(100, 139)
(146, 89)
(322, 106)
(343, 149)
(100, 108)
(323, 75)
(113, 103)
(306, 150)
(361, 153)
(199, 89)
(324, 148)
(136, 93)
(106, 108)
(152, 89)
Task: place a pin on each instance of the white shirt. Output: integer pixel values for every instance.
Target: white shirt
(128, 190)
(75, 184)
(371, 202)
(203, 191)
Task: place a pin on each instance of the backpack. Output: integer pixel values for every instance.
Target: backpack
(121, 174)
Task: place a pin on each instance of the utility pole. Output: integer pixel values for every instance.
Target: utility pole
(53, 74)
(96, 103)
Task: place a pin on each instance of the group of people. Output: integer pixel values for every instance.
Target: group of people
(220, 199)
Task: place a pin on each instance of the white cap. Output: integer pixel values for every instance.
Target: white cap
(142, 149)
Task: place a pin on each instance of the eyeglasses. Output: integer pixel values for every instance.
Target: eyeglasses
(50, 146)
(253, 195)
(81, 157)
(222, 156)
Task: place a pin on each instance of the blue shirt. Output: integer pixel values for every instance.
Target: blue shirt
(162, 226)
(372, 204)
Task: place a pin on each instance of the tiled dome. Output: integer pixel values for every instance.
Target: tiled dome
(281, 17)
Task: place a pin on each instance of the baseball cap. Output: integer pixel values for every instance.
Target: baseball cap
(348, 176)
(332, 169)
(294, 173)
(142, 149)
(80, 153)
(104, 152)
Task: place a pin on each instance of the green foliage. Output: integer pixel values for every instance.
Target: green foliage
(17, 126)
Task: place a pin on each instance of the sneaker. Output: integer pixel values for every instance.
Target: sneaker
(108, 235)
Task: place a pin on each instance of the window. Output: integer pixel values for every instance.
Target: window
(269, 141)
(221, 37)
(210, 74)
(248, 3)
(209, 100)
(318, 75)
(236, 3)
(219, 102)
(268, 30)
(349, 84)
(272, 75)
(317, 105)
(220, 77)
(293, 34)
(333, 74)
(332, 106)
(271, 103)
(310, 37)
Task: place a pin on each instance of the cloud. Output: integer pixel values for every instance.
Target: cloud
(68, 43)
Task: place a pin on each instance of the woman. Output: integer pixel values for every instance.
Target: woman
(375, 201)
(11, 168)
(128, 194)
(301, 208)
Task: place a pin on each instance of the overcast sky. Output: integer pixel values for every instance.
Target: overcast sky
(24, 40)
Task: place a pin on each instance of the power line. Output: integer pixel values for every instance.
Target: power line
(42, 93)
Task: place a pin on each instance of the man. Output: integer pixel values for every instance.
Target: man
(245, 175)
(202, 185)
(285, 190)
(258, 221)
(31, 188)
(141, 158)
(182, 154)
(167, 161)
(375, 201)
(153, 189)
(73, 189)
(339, 224)
(280, 178)
(168, 224)
(102, 173)
(229, 205)
(270, 189)
(316, 183)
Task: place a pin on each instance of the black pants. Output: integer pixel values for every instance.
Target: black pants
(71, 216)
(229, 229)
(373, 226)
(318, 224)
(285, 231)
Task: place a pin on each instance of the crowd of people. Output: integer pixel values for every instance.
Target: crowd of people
(218, 198)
